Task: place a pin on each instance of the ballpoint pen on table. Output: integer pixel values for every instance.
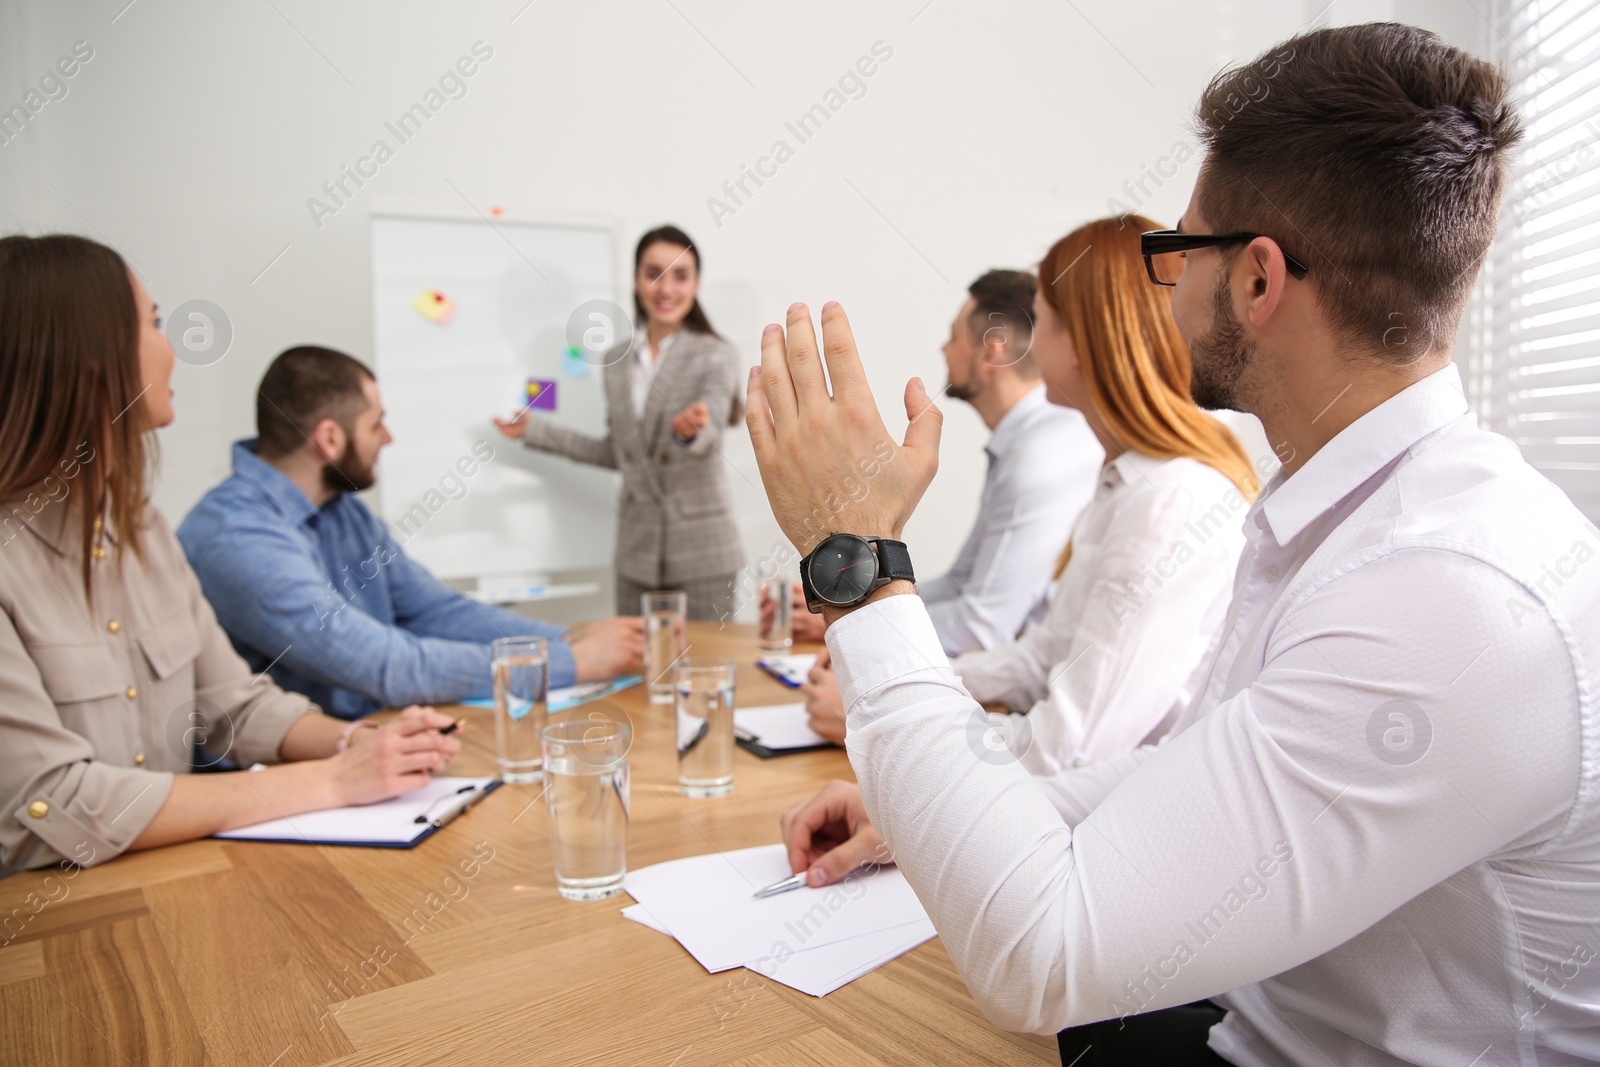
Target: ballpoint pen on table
(794, 881)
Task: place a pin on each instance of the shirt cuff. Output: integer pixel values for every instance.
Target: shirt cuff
(884, 641)
(563, 668)
(92, 813)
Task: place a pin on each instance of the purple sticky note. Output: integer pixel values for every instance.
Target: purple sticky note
(541, 394)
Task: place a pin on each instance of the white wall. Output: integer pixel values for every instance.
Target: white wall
(193, 139)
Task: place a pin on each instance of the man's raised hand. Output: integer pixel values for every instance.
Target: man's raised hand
(828, 462)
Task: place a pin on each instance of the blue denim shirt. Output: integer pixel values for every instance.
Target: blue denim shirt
(328, 603)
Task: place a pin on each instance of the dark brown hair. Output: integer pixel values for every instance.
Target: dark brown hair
(1004, 298)
(695, 321)
(69, 372)
(1376, 155)
(303, 386)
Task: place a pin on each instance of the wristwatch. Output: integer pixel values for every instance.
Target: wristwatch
(845, 569)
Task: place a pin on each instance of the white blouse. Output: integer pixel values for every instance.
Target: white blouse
(642, 372)
(1131, 621)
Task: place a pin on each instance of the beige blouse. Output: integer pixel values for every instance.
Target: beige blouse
(101, 704)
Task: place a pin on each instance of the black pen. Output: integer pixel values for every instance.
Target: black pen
(700, 735)
(453, 727)
(424, 816)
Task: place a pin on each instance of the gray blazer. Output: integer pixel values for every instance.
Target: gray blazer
(675, 520)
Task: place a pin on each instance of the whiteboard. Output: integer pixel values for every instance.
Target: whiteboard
(514, 286)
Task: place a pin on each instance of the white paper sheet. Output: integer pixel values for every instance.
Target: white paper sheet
(641, 915)
(389, 822)
(706, 902)
(779, 726)
(819, 971)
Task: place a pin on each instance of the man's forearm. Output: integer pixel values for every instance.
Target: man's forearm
(931, 784)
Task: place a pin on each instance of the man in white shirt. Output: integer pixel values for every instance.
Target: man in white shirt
(1378, 841)
(1044, 463)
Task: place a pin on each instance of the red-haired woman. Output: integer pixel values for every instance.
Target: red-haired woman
(1146, 579)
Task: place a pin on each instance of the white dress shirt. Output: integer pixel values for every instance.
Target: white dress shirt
(1379, 840)
(1132, 620)
(1044, 462)
(643, 370)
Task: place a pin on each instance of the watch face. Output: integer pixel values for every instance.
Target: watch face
(843, 569)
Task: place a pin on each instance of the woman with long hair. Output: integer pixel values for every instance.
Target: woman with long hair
(1146, 578)
(115, 679)
(671, 388)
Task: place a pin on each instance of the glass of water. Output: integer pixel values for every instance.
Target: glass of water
(520, 666)
(705, 726)
(586, 790)
(666, 635)
(776, 629)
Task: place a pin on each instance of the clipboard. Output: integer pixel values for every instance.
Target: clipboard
(779, 730)
(570, 696)
(387, 824)
(754, 746)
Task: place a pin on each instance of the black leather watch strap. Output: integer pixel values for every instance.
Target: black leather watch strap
(894, 561)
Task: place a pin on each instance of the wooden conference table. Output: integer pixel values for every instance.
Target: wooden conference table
(276, 955)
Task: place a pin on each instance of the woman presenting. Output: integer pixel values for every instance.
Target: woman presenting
(670, 389)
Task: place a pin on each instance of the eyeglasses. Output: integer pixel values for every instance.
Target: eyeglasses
(1164, 252)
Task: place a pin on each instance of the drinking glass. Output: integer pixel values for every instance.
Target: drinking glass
(776, 629)
(705, 726)
(520, 666)
(666, 635)
(586, 791)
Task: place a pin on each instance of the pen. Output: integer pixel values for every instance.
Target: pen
(453, 727)
(460, 809)
(794, 881)
(700, 735)
(449, 814)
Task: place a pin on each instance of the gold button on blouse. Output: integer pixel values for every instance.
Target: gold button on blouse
(38, 809)
(113, 626)
(98, 554)
(133, 691)
(138, 759)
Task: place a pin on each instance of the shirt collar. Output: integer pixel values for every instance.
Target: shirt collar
(1130, 467)
(646, 356)
(1361, 450)
(55, 524)
(1014, 422)
(283, 493)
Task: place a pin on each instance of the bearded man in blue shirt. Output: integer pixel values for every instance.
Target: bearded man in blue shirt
(314, 589)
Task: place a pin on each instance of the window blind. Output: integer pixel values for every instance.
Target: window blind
(1532, 353)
